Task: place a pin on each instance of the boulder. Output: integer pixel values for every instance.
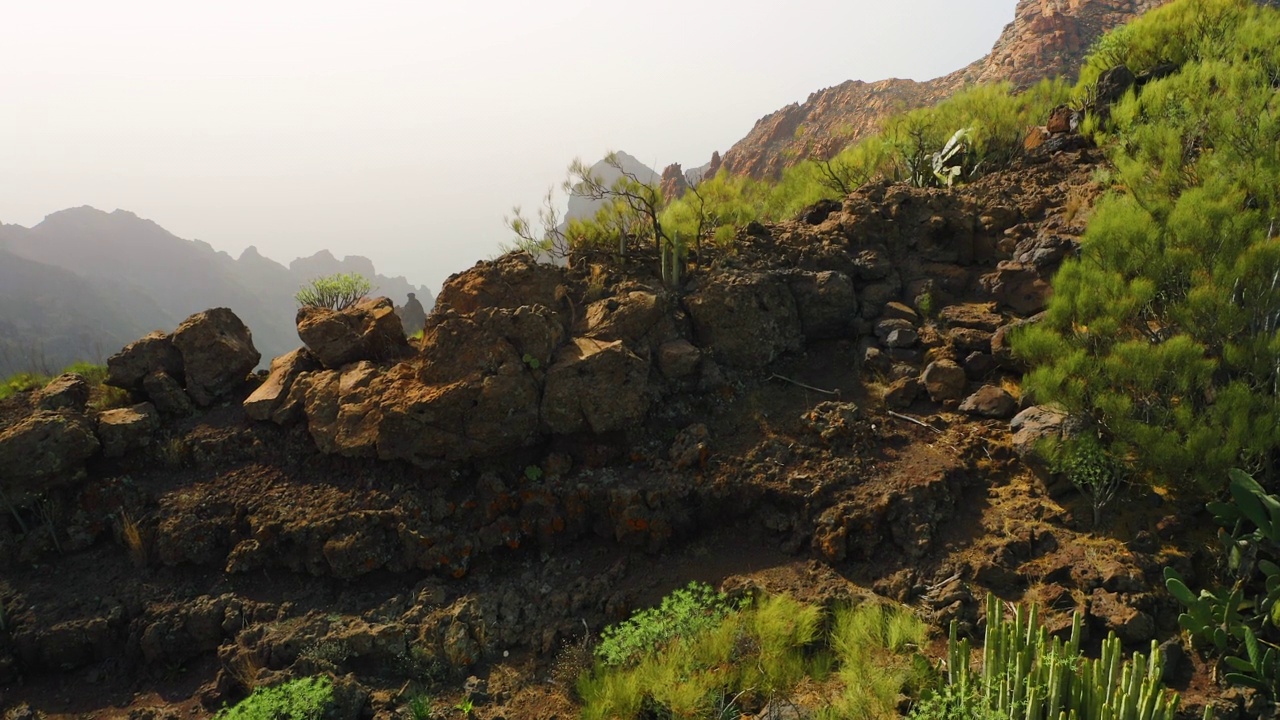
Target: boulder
(167, 394)
(1032, 425)
(1018, 287)
(990, 401)
(595, 386)
(217, 354)
(1002, 348)
(155, 352)
(979, 316)
(678, 359)
(44, 447)
(978, 365)
(1061, 120)
(902, 392)
(969, 339)
(272, 393)
(68, 391)
(368, 330)
(826, 302)
(902, 338)
(125, 429)
(885, 328)
(944, 380)
(638, 317)
(1112, 85)
(746, 320)
(508, 282)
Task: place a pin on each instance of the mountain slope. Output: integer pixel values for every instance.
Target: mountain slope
(137, 276)
(1047, 38)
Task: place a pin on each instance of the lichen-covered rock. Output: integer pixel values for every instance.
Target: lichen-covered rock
(217, 354)
(274, 391)
(902, 392)
(154, 352)
(596, 386)
(746, 320)
(125, 429)
(368, 330)
(944, 380)
(68, 391)
(44, 447)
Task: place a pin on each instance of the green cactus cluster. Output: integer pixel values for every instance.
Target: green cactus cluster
(1241, 624)
(1027, 674)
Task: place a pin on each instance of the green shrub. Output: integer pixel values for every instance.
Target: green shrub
(753, 655)
(336, 292)
(301, 699)
(1163, 330)
(684, 613)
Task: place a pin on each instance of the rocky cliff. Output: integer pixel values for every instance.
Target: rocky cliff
(1047, 38)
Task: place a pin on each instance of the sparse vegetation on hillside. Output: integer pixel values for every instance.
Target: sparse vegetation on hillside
(302, 699)
(1161, 338)
(732, 661)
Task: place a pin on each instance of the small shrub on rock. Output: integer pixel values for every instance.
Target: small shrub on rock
(336, 292)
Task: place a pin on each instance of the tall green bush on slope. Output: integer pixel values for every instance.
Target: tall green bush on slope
(1162, 336)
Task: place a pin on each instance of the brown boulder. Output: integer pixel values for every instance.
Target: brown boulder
(125, 429)
(273, 392)
(974, 316)
(1034, 424)
(990, 402)
(902, 392)
(368, 330)
(508, 282)
(638, 317)
(678, 359)
(969, 339)
(68, 391)
(1018, 287)
(944, 380)
(595, 386)
(747, 320)
(167, 394)
(155, 352)
(217, 354)
(44, 447)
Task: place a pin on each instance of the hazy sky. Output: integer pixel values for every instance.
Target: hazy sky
(404, 131)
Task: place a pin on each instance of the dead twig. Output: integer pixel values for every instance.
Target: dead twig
(910, 419)
(806, 387)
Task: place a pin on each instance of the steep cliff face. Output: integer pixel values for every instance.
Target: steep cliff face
(1046, 38)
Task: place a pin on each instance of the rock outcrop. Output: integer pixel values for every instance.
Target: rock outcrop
(1047, 38)
(368, 330)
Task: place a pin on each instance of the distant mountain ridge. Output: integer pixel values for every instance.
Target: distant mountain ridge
(83, 282)
(1047, 38)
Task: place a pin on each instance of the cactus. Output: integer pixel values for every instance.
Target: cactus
(1028, 675)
